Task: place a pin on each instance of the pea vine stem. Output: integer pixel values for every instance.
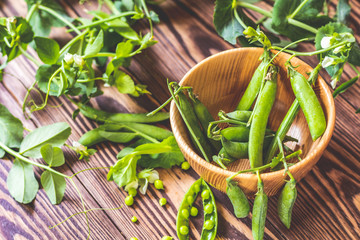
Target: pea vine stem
(28, 56)
(61, 18)
(297, 10)
(72, 41)
(32, 10)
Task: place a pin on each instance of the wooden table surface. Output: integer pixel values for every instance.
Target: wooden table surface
(328, 203)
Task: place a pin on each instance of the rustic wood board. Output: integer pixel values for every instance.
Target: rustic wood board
(328, 204)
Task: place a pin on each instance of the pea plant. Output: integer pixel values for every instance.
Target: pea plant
(299, 20)
(70, 70)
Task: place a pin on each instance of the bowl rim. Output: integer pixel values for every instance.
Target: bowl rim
(318, 150)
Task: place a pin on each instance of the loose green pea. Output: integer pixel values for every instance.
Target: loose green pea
(129, 200)
(194, 211)
(209, 208)
(197, 188)
(134, 219)
(134, 238)
(132, 192)
(167, 238)
(159, 184)
(209, 224)
(190, 199)
(205, 194)
(185, 213)
(185, 166)
(162, 201)
(184, 230)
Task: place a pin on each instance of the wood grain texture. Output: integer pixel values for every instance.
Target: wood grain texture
(328, 205)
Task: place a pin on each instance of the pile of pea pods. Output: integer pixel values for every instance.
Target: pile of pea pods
(247, 137)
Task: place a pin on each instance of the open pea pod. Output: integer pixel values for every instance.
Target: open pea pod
(210, 213)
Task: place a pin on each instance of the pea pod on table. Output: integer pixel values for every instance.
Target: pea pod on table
(259, 212)
(238, 199)
(286, 202)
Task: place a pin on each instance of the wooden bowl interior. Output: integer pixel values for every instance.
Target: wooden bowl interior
(220, 81)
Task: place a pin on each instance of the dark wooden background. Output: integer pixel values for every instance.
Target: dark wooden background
(328, 203)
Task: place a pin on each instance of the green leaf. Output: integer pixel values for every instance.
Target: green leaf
(281, 10)
(167, 145)
(354, 55)
(21, 182)
(47, 49)
(53, 156)
(55, 134)
(154, 17)
(343, 11)
(54, 186)
(225, 22)
(43, 74)
(11, 129)
(123, 82)
(24, 30)
(310, 10)
(42, 21)
(124, 170)
(96, 45)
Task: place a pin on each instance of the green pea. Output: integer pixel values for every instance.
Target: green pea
(185, 213)
(167, 238)
(185, 165)
(205, 194)
(259, 213)
(129, 200)
(197, 188)
(162, 201)
(209, 224)
(159, 184)
(132, 192)
(134, 219)
(209, 208)
(190, 199)
(133, 238)
(238, 199)
(194, 211)
(286, 202)
(184, 230)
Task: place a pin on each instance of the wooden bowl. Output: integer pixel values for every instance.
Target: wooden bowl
(220, 81)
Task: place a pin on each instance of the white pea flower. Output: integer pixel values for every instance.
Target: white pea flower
(107, 85)
(145, 177)
(79, 61)
(68, 58)
(339, 49)
(326, 42)
(143, 182)
(333, 83)
(133, 184)
(328, 61)
(78, 146)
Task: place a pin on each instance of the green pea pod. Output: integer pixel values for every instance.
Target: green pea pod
(189, 112)
(238, 199)
(309, 103)
(259, 213)
(210, 217)
(286, 202)
(237, 134)
(237, 150)
(204, 117)
(254, 87)
(91, 137)
(260, 118)
(102, 116)
(239, 115)
(182, 219)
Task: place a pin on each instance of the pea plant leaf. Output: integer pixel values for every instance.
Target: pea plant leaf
(310, 10)
(42, 21)
(281, 10)
(343, 11)
(123, 82)
(54, 186)
(11, 130)
(95, 46)
(21, 182)
(55, 134)
(47, 49)
(53, 156)
(124, 170)
(225, 22)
